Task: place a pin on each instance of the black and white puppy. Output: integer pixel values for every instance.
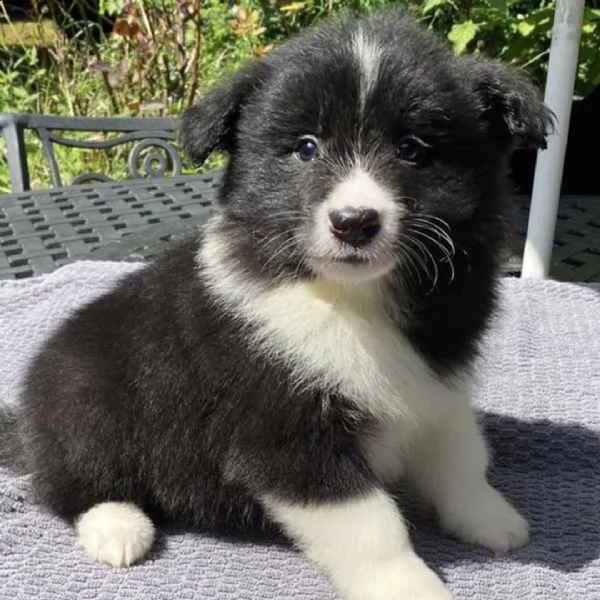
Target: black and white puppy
(314, 345)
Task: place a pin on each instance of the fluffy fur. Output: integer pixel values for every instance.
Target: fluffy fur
(115, 533)
(271, 373)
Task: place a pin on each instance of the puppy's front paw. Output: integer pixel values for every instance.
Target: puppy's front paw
(115, 533)
(488, 520)
(405, 580)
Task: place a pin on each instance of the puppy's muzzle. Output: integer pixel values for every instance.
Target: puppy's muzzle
(354, 226)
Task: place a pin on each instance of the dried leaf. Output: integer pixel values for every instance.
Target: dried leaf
(187, 10)
(260, 51)
(246, 24)
(134, 106)
(116, 76)
(128, 27)
(152, 105)
(99, 66)
(145, 43)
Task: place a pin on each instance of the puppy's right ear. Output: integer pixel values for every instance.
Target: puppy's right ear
(509, 104)
(211, 125)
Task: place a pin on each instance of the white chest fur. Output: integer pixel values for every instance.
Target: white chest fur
(337, 337)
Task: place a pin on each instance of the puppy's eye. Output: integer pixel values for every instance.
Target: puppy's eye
(411, 150)
(306, 149)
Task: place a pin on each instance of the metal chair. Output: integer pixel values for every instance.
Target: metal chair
(93, 216)
(155, 145)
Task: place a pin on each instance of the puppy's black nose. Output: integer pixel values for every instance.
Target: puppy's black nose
(355, 226)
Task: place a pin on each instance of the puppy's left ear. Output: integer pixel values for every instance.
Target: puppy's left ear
(510, 105)
(212, 123)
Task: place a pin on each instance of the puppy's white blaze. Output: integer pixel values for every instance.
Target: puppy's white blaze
(361, 544)
(331, 336)
(361, 190)
(368, 54)
(115, 533)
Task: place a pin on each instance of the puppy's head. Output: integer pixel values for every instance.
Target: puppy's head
(364, 148)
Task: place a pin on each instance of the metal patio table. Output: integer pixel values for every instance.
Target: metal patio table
(124, 220)
(135, 218)
(94, 217)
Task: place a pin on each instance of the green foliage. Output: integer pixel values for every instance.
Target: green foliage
(517, 31)
(162, 54)
(462, 34)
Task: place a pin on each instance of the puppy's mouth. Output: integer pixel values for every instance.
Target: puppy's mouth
(352, 259)
(345, 264)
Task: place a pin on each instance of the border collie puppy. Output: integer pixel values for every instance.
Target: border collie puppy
(313, 345)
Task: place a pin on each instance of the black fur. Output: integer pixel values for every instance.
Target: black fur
(151, 394)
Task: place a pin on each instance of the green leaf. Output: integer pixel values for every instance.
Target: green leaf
(294, 6)
(525, 28)
(431, 4)
(542, 17)
(500, 5)
(111, 7)
(462, 34)
(592, 14)
(588, 28)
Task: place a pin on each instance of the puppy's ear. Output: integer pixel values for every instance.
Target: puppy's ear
(510, 105)
(211, 124)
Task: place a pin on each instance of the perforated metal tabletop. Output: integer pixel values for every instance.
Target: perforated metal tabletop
(41, 230)
(576, 245)
(137, 219)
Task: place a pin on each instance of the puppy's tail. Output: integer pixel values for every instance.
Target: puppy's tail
(12, 452)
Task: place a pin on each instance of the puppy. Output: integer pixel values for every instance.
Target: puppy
(314, 345)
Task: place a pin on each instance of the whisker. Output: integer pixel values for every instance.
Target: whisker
(406, 254)
(419, 257)
(411, 198)
(431, 226)
(448, 252)
(267, 241)
(426, 250)
(431, 218)
(280, 250)
(285, 213)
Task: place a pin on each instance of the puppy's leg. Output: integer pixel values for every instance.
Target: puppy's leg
(449, 466)
(115, 533)
(362, 544)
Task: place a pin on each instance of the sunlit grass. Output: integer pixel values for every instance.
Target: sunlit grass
(43, 33)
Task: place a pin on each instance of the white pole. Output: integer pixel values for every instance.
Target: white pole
(562, 68)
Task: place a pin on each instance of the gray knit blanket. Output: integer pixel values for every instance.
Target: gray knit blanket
(539, 395)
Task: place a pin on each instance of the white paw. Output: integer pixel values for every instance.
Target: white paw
(115, 533)
(402, 580)
(488, 520)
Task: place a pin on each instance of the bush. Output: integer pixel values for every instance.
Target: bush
(161, 54)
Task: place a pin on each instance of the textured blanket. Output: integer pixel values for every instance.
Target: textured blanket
(539, 394)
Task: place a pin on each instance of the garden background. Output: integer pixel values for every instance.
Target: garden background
(154, 57)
